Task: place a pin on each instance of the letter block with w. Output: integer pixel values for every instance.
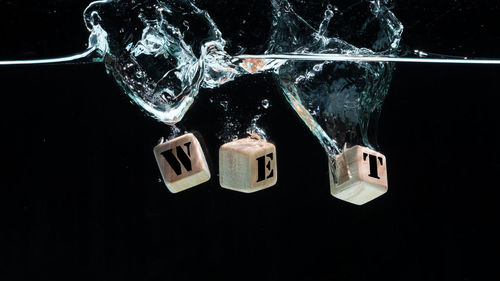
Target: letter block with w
(182, 163)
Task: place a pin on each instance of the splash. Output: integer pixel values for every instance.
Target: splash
(334, 69)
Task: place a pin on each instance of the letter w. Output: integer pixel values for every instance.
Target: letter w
(182, 158)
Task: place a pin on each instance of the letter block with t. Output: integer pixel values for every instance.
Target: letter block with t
(361, 175)
(182, 163)
(247, 165)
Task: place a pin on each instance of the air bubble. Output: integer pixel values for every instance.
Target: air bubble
(265, 103)
(224, 104)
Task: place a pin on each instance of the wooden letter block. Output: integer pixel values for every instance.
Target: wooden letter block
(247, 165)
(182, 163)
(361, 175)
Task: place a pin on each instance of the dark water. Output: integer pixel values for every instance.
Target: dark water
(82, 198)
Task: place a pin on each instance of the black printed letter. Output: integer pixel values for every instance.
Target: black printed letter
(373, 164)
(262, 166)
(181, 156)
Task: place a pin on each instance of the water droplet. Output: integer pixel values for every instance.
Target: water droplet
(328, 14)
(318, 67)
(265, 103)
(420, 53)
(299, 79)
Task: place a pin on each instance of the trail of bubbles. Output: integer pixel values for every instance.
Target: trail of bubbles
(83, 57)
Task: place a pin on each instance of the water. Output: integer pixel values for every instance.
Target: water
(334, 69)
(83, 57)
(364, 58)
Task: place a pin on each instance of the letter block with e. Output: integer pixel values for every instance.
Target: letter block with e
(360, 175)
(247, 165)
(182, 163)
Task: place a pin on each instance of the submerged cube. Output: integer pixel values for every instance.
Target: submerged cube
(182, 163)
(361, 175)
(247, 165)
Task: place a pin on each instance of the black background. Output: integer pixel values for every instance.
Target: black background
(82, 199)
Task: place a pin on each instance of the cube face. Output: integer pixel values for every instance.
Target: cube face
(182, 163)
(247, 165)
(361, 175)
